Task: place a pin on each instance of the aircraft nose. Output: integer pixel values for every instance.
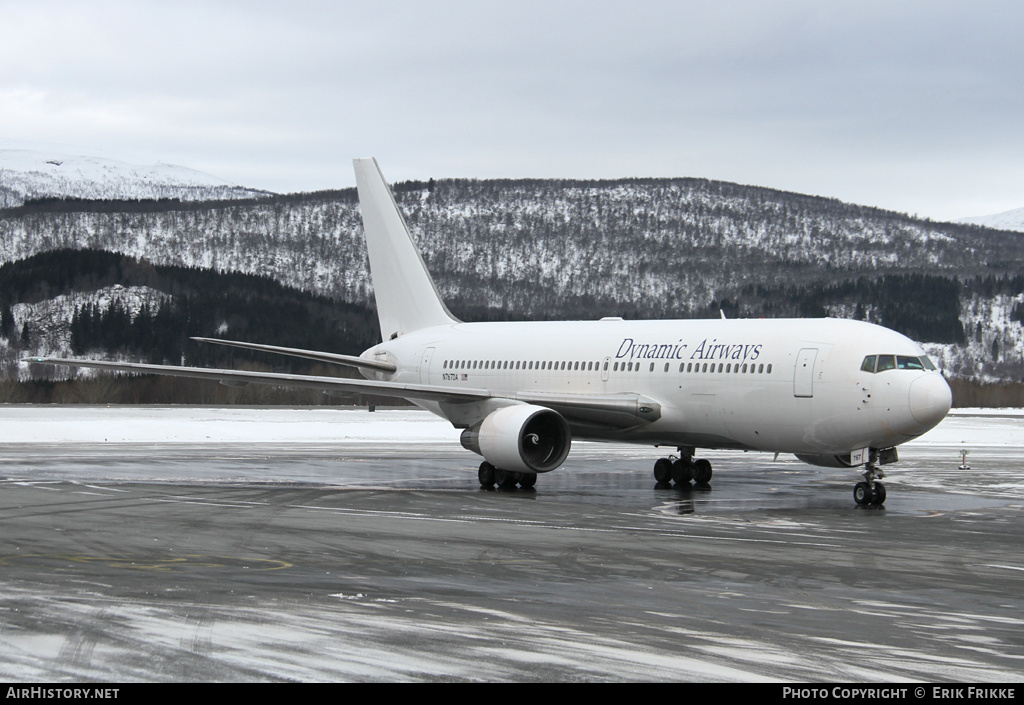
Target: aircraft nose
(930, 399)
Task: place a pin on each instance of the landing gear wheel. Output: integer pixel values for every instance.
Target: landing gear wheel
(878, 497)
(702, 471)
(871, 491)
(663, 470)
(486, 474)
(862, 493)
(682, 472)
(506, 480)
(527, 480)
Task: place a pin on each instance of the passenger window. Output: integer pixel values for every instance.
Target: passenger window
(886, 362)
(868, 365)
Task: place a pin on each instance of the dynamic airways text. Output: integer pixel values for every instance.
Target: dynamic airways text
(706, 350)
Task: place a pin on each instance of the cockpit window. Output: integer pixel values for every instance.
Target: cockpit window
(886, 362)
(881, 363)
(908, 363)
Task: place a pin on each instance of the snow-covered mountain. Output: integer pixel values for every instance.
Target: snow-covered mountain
(1010, 220)
(37, 171)
(639, 248)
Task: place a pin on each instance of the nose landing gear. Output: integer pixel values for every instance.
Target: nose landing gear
(870, 491)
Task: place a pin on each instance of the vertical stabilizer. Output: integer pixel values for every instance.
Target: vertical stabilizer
(407, 299)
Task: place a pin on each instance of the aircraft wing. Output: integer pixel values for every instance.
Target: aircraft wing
(613, 411)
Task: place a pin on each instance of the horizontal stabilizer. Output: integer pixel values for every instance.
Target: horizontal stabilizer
(333, 358)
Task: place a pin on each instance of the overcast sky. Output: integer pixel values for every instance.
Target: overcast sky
(913, 106)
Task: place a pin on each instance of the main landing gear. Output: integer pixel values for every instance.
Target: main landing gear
(870, 491)
(505, 479)
(682, 469)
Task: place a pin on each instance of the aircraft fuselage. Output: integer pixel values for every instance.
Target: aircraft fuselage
(789, 386)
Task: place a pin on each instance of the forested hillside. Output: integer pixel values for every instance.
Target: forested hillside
(545, 249)
(135, 310)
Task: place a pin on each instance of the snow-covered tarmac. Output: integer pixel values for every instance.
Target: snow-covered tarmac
(188, 424)
(179, 543)
(119, 433)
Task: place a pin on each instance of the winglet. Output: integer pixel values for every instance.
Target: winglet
(407, 299)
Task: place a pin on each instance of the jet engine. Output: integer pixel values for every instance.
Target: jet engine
(520, 438)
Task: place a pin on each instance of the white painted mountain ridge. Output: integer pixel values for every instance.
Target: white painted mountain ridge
(29, 171)
(1010, 220)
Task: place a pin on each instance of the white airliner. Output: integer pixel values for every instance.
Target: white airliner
(833, 392)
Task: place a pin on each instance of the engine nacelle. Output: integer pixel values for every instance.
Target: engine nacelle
(520, 438)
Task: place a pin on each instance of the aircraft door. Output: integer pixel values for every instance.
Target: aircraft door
(604, 369)
(425, 366)
(803, 379)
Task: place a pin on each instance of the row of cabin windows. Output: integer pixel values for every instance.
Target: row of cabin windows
(722, 367)
(521, 365)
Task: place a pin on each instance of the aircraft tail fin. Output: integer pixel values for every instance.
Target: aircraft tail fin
(406, 296)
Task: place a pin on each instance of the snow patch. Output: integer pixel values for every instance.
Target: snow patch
(1009, 220)
(42, 171)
